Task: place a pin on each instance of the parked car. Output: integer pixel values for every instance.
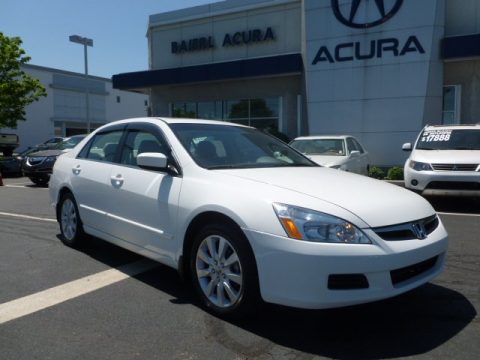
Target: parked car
(38, 165)
(444, 160)
(51, 143)
(245, 216)
(12, 165)
(338, 152)
(8, 143)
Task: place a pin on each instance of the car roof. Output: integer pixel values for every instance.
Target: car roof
(169, 121)
(454, 127)
(321, 137)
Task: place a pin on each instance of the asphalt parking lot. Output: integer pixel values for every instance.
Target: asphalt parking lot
(106, 303)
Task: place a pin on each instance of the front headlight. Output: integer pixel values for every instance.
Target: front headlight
(420, 166)
(51, 159)
(310, 225)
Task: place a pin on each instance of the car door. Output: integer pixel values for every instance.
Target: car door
(353, 162)
(143, 203)
(91, 178)
(364, 160)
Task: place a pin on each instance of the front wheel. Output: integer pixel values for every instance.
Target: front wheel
(70, 223)
(40, 181)
(224, 271)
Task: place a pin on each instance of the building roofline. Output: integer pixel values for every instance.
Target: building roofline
(211, 10)
(59, 71)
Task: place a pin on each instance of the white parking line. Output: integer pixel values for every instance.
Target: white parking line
(458, 214)
(25, 187)
(32, 303)
(21, 216)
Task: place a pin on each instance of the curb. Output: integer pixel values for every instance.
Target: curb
(396, 182)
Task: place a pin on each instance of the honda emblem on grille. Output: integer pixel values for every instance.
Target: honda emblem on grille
(419, 231)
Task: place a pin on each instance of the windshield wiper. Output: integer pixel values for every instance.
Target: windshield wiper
(464, 148)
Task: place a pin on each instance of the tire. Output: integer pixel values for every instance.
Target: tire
(227, 285)
(71, 225)
(40, 181)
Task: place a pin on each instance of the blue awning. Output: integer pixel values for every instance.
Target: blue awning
(265, 66)
(465, 46)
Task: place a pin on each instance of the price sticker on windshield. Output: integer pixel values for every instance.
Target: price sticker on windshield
(436, 135)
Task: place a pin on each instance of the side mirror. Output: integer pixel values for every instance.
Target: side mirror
(354, 153)
(407, 147)
(152, 161)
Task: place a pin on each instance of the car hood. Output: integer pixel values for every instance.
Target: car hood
(376, 202)
(447, 156)
(327, 160)
(46, 153)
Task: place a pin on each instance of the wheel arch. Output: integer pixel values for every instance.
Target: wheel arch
(198, 222)
(64, 190)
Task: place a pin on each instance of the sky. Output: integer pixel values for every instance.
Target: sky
(118, 29)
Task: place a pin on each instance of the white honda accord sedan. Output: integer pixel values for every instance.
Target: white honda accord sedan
(245, 216)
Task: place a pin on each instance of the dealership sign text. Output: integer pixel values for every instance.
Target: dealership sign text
(351, 51)
(234, 39)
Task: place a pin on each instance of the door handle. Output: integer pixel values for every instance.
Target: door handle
(117, 180)
(76, 170)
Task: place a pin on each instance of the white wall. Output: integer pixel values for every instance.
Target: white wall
(67, 105)
(38, 127)
(284, 19)
(384, 101)
(462, 17)
(131, 104)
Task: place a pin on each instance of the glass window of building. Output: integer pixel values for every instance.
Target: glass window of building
(451, 104)
(262, 113)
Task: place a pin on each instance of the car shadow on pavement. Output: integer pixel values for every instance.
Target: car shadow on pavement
(410, 324)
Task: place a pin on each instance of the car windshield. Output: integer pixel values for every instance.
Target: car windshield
(69, 143)
(329, 147)
(235, 147)
(448, 139)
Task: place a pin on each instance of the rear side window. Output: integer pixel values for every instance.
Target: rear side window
(103, 147)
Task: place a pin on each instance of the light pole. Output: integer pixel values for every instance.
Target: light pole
(85, 42)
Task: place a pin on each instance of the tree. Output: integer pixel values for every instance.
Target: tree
(17, 89)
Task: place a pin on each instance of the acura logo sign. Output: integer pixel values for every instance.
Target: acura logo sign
(385, 9)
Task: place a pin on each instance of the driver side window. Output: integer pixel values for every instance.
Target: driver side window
(138, 142)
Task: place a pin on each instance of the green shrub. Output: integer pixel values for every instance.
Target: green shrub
(395, 173)
(376, 172)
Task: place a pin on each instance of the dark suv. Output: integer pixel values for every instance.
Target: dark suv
(38, 165)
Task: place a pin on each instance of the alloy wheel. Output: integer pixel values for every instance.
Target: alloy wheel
(219, 271)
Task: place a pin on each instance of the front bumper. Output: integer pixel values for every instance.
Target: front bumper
(41, 170)
(443, 182)
(296, 273)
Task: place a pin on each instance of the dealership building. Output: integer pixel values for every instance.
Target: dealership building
(376, 69)
(63, 112)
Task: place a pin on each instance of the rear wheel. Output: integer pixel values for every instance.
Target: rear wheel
(223, 270)
(70, 223)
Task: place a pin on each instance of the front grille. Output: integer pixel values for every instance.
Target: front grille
(406, 231)
(453, 185)
(347, 282)
(455, 167)
(409, 272)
